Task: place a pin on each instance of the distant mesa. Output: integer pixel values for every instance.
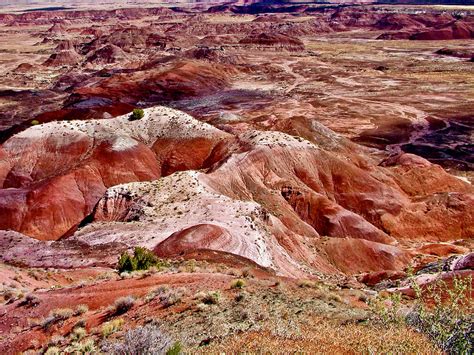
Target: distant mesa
(456, 52)
(451, 31)
(273, 41)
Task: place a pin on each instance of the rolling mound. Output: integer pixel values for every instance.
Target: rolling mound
(94, 155)
(273, 40)
(456, 30)
(107, 54)
(63, 58)
(180, 79)
(266, 196)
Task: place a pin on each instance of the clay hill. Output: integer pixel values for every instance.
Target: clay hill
(277, 195)
(276, 41)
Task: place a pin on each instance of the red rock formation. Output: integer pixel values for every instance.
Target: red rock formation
(456, 52)
(24, 68)
(107, 54)
(394, 22)
(66, 45)
(94, 155)
(273, 40)
(57, 28)
(183, 79)
(465, 263)
(457, 30)
(63, 58)
(274, 197)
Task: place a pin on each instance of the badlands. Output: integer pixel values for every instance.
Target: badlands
(297, 178)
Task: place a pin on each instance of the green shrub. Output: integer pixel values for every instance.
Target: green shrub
(78, 333)
(142, 259)
(449, 322)
(387, 309)
(175, 349)
(239, 283)
(34, 122)
(85, 347)
(137, 114)
(111, 327)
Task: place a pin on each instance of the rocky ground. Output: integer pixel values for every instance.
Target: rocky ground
(322, 155)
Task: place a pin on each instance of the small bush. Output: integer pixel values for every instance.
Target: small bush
(142, 259)
(78, 333)
(449, 322)
(175, 349)
(85, 347)
(240, 297)
(81, 309)
(212, 297)
(387, 310)
(57, 315)
(306, 283)
(239, 283)
(137, 114)
(143, 340)
(55, 340)
(81, 323)
(31, 301)
(111, 327)
(34, 122)
(123, 304)
(52, 350)
(62, 313)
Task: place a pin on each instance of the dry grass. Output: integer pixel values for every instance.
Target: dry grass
(325, 336)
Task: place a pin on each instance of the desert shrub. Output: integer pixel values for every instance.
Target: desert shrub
(126, 263)
(170, 298)
(175, 349)
(240, 297)
(81, 323)
(62, 313)
(34, 122)
(212, 297)
(53, 350)
(145, 258)
(31, 301)
(123, 304)
(55, 341)
(85, 347)
(111, 327)
(57, 315)
(136, 114)
(166, 296)
(386, 310)
(143, 340)
(142, 259)
(78, 333)
(246, 272)
(306, 283)
(449, 322)
(239, 283)
(81, 309)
